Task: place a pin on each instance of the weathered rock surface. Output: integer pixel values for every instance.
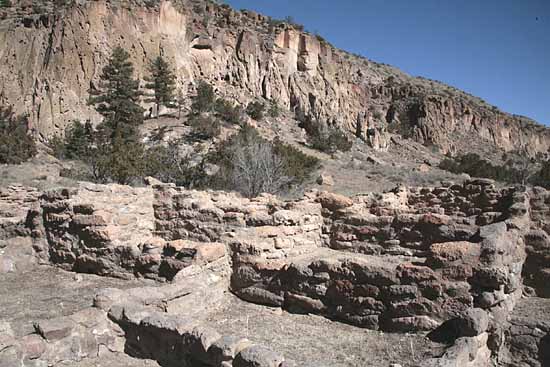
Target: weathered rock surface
(50, 60)
(448, 259)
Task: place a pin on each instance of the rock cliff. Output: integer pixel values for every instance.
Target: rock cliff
(52, 56)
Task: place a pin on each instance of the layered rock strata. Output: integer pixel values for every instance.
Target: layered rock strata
(51, 60)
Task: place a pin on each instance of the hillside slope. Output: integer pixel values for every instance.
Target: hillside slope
(52, 57)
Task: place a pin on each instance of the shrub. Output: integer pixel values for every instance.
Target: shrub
(330, 140)
(290, 20)
(476, 166)
(121, 162)
(542, 177)
(228, 112)
(298, 166)
(205, 98)
(78, 140)
(170, 164)
(322, 137)
(253, 165)
(256, 110)
(274, 110)
(57, 145)
(16, 145)
(205, 126)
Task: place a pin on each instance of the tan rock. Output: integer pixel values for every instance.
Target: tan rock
(333, 201)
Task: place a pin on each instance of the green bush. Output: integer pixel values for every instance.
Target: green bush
(16, 145)
(169, 164)
(256, 110)
(274, 110)
(205, 98)
(330, 140)
(228, 112)
(77, 143)
(476, 166)
(298, 166)
(205, 126)
(542, 177)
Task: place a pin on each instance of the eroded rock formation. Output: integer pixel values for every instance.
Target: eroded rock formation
(50, 61)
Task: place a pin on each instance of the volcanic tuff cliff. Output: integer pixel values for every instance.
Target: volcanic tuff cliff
(50, 58)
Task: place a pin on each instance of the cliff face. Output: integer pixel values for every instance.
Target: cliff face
(50, 61)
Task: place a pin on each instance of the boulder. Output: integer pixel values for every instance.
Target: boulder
(333, 201)
(55, 329)
(258, 356)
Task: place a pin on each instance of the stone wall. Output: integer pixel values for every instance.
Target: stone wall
(109, 230)
(448, 260)
(404, 260)
(403, 279)
(537, 240)
(15, 203)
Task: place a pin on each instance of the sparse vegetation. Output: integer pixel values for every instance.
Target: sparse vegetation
(168, 163)
(256, 110)
(542, 177)
(291, 21)
(228, 111)
(77, 142)
(253, 165)
(205, 126)
(322, 137)
(16, 145)
(274, 110)
(205, 98)
(329, 140)
(476, 166)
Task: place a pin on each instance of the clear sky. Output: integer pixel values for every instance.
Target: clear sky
(498, 50)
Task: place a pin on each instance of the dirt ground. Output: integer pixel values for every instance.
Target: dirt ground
(312, 340)
(46, 292)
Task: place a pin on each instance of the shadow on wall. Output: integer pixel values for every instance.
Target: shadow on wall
(544, 351)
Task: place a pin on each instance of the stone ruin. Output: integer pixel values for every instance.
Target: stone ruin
(452, 261)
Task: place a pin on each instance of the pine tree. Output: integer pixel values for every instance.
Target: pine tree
(78, 140)
(162, 82)
(118, 96)
(205, 98)
(16, 145)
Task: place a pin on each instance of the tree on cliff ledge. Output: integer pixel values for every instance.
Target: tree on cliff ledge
(117, 97)
(162, 82)
(16, 145)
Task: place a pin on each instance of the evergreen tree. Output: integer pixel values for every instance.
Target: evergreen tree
(16, 145)
(78, 140)
(5, 3)
(118, 96)
(162, 82)
(205, 98)
(125, 160)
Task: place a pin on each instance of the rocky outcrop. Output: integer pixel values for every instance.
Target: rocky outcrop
(50, 61)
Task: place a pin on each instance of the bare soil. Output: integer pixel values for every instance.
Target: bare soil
(312, 340)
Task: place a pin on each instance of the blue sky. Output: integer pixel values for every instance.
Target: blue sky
(495, 49)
